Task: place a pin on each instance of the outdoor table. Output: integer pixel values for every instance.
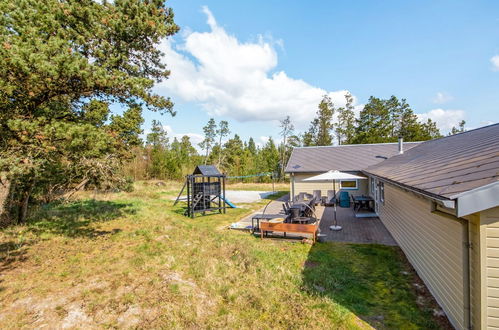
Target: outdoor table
(364, 201)
(301, 206)
(301, 220)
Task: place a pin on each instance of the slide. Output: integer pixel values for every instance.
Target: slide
(228, 202)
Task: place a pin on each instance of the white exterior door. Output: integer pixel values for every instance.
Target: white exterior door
(375, 189)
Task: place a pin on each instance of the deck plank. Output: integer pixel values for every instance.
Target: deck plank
(355, 230)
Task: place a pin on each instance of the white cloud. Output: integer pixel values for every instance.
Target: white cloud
(495, 62)
(442, 97)
(445, 119)
(236, 79)
(487, 123)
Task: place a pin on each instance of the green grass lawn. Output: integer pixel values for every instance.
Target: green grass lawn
(132, 260)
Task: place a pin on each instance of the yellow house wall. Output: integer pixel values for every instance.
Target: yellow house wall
(433, 245)
(309, 186)
(489, 234)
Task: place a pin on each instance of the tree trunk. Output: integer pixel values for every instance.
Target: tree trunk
(5, 186)
(23, 207)
(219, 151)
(206, 157)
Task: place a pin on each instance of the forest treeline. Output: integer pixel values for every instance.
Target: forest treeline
(380, 121)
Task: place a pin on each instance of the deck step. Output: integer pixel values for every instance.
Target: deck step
(366, 215)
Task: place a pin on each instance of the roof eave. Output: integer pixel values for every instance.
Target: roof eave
(442, 200)
(319, 171)
(478, 199)
(465, 203)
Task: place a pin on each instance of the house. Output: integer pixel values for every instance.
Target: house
(306, 162)
(440, 202)
(439, 199)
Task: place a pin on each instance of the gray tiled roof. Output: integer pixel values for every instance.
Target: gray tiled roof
(447, 166)
(207, 170)
(352, 157)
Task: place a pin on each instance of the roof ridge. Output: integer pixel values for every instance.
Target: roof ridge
(359, 144)
(460, 133)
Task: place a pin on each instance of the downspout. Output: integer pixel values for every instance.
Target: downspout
(466, 262)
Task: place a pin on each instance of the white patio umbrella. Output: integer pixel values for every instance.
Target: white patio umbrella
(334, 175)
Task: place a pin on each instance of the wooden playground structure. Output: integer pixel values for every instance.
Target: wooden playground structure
(205, 191)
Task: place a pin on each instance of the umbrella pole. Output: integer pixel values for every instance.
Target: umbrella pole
(335, 226)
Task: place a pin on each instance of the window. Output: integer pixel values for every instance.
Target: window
(373, 186)
(381, 186)
(348, 184)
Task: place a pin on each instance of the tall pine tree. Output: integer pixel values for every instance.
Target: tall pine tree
(321, 128)
(61, 64)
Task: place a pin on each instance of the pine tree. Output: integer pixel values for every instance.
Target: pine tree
(345, 129)
(252, 146)
(222, 131)
(233, 158)
(374, 124)
(157, 141)
(270, 156)
(325, 122)
(320, 131)
(210, 132)
(430, 130)
(386, 120)
(459, 129)
(287, 128)
(61, 64)
(158, 138)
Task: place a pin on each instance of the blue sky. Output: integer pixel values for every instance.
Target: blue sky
(253, 62)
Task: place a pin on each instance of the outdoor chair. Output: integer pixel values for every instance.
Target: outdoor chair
(317, 196)
(308, 210)
(344, 199)
(356, 204)
(330, 199)
(285, 208)
(301, 197)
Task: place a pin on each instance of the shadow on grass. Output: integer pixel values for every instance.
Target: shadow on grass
(10, 253)
(372, 281)
(75, 219)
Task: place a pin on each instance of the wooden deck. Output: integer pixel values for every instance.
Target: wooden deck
(355, 230)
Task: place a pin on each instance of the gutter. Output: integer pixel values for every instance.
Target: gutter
(478, 199)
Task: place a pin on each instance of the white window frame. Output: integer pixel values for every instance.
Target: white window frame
(373, 186)
(381, 192)
(350, 188)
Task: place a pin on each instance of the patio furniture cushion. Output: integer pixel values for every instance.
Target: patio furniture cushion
(344, 199)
